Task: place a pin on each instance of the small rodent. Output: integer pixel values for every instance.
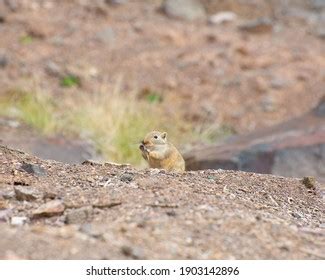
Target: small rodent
(160, 153)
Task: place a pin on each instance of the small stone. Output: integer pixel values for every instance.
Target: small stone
(319, 110)
(260, 25)
(93, 72)
(309, 182)
(3, 204)
(129, 251)
(38, 30)
(3, 60)
(13, 123)
(49, 209)
(107, 35)
(127, 177)
(258, 84)
(267, 103)
(33, 169)
(91, 162)
(53, 69)
(57, 40)
(242, 50)
(317, 4)
(13, 5)
(320, 32)
(7, 194)
(78, 216)
(184, 9)
(92, 230)
(50, 195)
(25, 193)
(2, 17)
(106, 204)
(296, 215)
(189, 240)
(222, 17)
(116, 2)
(171, 213)
(18, 221)
(5, 215)
(278, 83)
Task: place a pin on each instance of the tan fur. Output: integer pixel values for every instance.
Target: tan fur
(159, 153)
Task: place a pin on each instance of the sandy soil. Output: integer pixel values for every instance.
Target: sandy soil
(105, 211)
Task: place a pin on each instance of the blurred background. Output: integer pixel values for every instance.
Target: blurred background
(237, 84)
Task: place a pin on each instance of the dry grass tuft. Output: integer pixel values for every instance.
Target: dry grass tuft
(116, 122)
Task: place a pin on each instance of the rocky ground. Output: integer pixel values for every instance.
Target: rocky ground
(261, 66)
(51, 210)
(256, 70)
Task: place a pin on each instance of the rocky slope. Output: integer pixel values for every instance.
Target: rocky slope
(51, 210)
(292, 149)
(247, 73)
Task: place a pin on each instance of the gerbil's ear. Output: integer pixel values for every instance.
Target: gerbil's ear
(164, 135)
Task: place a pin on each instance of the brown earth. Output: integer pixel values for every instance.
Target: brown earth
(220, 74)
(208, 73)
(106, 211)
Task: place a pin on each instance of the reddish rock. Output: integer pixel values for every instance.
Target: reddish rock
(295, 148)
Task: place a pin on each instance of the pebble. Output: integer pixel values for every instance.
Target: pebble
(3, 204)
(116, 2)
(53, 69)
(2, 17)
(133, 252)
(320, 109)
(260, 25)
(268, 104)
(3, 60)
(57, 40)
(79, 215)
(278, 83)
(7, 194)
(92, 230)
(25, 193)
(33, 169)
(309, 182)
(13, 5)
(317, 4)
(184, 9)
(107, 35)
(320, 31)
(51, 208)
(5, 215)
(38, 30)
(222, 17)
(127, 177)
(18, 221)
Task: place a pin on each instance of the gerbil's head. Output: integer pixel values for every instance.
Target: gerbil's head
(155, 138)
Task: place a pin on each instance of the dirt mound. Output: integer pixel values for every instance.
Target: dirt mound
(51, 210)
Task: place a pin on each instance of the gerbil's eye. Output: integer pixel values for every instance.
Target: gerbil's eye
(156, 137)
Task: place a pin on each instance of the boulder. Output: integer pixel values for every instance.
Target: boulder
(295, 148)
